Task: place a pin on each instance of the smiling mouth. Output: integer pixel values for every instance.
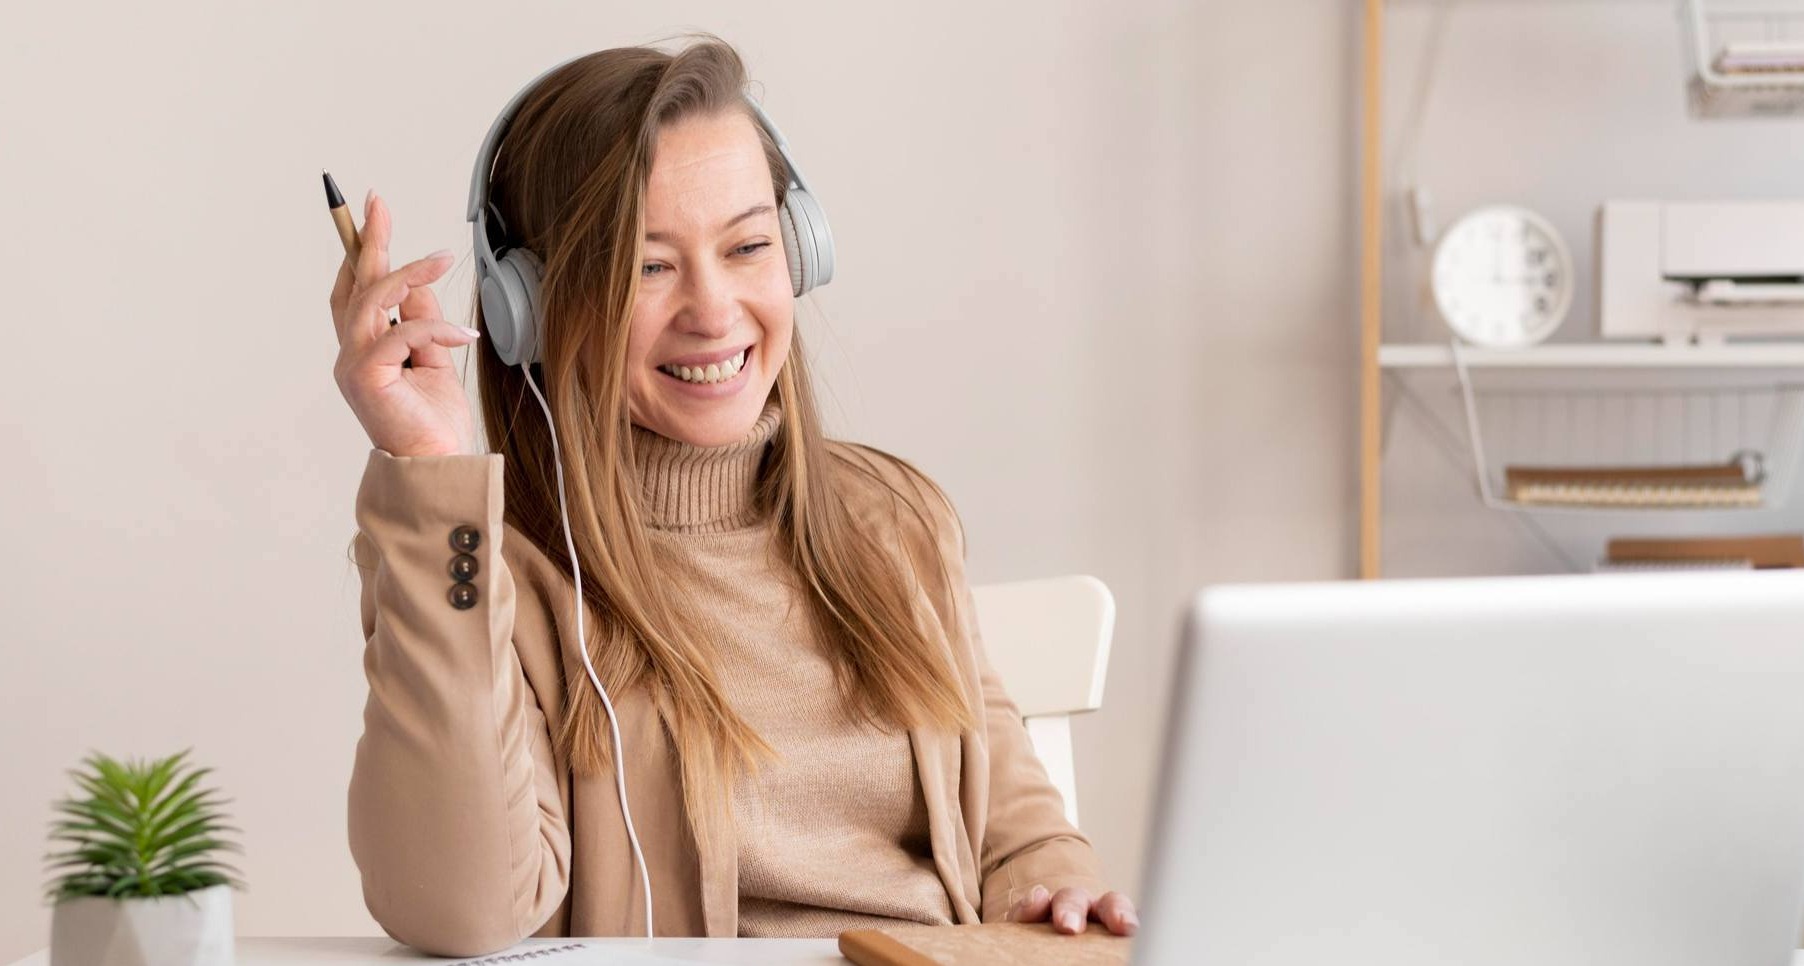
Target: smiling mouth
(712, 373)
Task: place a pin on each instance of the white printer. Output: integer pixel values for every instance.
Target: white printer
(1704, 270)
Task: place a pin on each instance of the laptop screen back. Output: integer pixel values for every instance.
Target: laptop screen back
(1551, 771)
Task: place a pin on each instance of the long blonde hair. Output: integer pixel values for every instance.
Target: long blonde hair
(570, 184)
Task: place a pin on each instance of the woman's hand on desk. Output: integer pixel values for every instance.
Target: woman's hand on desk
(1070, 908)
(421, 411)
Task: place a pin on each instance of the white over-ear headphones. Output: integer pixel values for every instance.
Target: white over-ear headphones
(510, 276)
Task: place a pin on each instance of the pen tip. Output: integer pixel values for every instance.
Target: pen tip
(333, 198)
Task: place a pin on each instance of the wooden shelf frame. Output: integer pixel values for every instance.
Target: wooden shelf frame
(1371, 292)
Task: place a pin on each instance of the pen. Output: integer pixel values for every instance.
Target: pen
(347, 230)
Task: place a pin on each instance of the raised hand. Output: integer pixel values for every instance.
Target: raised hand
(417, 411)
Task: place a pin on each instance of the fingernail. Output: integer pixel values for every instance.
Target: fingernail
(1039, 893)
(368, 197)
(441, 253)
(471, 332)
(1068, 920)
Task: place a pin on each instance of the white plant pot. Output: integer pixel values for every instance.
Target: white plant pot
(192, 929)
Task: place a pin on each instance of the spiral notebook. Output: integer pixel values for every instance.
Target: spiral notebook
(1719, 485)
(571, 952)
(529, 954)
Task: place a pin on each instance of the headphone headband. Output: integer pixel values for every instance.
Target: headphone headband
(491, 142)
(508, 282)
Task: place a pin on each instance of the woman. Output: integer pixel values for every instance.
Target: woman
(811, 738)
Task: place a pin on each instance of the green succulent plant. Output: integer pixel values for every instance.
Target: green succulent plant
(142, 829)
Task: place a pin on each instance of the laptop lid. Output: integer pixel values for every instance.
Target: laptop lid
(1547, 770)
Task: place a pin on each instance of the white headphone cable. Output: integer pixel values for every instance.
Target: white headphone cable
(582, 647)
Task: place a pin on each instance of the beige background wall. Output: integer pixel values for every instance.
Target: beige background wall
(1094, 277)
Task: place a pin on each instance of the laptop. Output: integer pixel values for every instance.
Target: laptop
(1532, 771)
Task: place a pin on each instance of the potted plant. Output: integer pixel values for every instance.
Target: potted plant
(140, 882)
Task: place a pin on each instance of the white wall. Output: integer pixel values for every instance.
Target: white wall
(1095, 277)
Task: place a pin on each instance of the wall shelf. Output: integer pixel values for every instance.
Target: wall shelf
(1587, 355)
(1576, 405)
(1716, 92)
(1616, 404)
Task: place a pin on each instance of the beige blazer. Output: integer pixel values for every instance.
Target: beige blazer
(469, 832)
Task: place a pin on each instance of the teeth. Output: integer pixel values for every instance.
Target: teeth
(713, 372)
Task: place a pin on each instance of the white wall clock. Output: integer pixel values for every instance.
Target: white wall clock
(1502, 277)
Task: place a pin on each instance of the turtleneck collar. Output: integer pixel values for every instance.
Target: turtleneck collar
(703, 489)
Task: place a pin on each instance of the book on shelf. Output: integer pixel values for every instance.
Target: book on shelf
(1709, 486)
(1756, 552)
(1761, 57)
(1656, 566)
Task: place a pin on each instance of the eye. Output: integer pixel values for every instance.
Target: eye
(753, 247)
(651, 268)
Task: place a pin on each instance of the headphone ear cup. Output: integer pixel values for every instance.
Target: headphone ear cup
(807, 240)
(498, 319)
(510, 306)
(531, 273)
(792, 250)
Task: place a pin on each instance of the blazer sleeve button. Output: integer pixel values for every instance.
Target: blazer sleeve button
(463, 596)
(464, 567)
(466, 539)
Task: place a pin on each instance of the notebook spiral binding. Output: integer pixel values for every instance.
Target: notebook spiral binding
(523, 956)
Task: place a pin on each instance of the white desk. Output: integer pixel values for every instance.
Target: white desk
(601, 952)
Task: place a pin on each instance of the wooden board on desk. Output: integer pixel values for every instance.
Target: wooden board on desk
(989, 944)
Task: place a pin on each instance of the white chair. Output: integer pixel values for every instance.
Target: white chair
(1049, 640)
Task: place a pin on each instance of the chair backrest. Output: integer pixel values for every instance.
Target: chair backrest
(1049, 641)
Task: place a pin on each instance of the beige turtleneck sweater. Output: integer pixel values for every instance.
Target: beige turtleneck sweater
(470, 832)
(833, 833)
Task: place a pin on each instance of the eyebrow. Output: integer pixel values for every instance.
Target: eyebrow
(659, 236)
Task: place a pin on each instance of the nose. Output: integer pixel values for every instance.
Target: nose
(709, 303)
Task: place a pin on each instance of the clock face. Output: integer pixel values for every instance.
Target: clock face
(1502, 277)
